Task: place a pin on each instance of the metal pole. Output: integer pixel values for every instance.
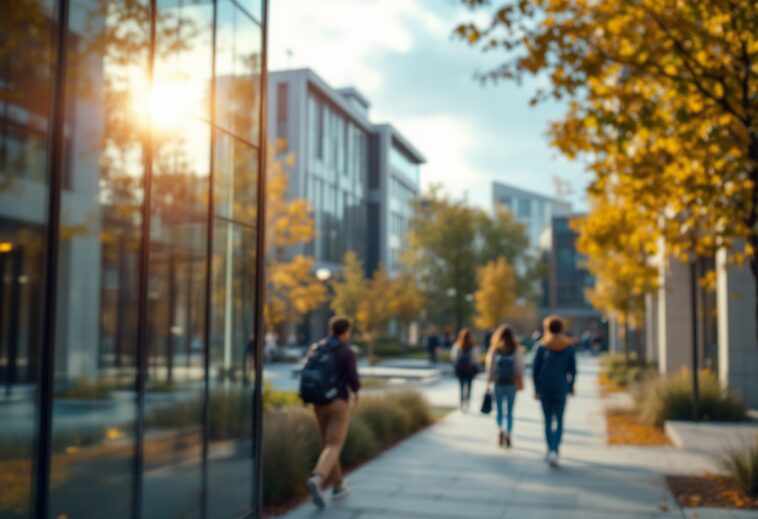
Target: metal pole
(695, 360)
(42, 464)
(260, 274)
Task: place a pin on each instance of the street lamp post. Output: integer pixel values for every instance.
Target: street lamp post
(323, 274)
(695, 352)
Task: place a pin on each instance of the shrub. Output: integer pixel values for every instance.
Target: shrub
(278, 399)
(361, 443)
(230, 414)
(291, 442)
(415, 405)
(742, 465)
(622, 374)
(387, 420)
(388, 347)
(85, 389)
(670, 398)
(290, 449)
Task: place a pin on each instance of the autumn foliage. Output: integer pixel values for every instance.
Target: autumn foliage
(662, 109)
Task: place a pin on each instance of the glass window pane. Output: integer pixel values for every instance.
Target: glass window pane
(25, 75)
(238, 70)
(235, 178)
(232, 371)
(94, 407)
(175, 392)
(183, 64)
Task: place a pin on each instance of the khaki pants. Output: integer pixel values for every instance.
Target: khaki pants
(332, 426)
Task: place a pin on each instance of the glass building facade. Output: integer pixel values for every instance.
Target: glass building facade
(335, 176)
(130, 252)
(403, 190)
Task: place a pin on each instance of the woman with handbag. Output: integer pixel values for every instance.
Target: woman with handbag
(505, 370)
(465, 357)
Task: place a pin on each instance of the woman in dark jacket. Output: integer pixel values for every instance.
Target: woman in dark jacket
(554, 371)
(465, 356)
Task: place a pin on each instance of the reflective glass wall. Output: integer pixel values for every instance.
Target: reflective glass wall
(130, 146)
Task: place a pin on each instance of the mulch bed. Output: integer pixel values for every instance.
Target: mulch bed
(624, 428)
(710, 490)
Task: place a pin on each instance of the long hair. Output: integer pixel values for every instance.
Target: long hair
(465, 340)
(503, 340)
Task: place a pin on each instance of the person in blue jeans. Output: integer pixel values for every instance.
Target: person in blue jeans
(505, 370)
(554, 372)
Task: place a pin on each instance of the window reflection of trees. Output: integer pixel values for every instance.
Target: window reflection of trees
(101, 217)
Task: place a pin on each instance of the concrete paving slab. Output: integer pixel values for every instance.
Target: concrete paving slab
(456, 469)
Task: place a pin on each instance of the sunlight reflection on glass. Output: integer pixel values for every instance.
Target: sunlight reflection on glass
(170, 105)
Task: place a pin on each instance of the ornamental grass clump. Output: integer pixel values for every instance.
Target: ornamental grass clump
(623, 373)
(361, 443)
(387, 419)
(415, 405)
(670, 398)
(290, 449)
(741, 464)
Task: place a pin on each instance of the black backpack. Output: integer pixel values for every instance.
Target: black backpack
(319, 380)
(464, 366)
(505, 368)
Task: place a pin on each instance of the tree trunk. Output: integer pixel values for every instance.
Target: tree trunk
(639, 349)
(752, 222)
(627, 361)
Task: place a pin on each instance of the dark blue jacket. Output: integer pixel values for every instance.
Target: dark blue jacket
(554, 371)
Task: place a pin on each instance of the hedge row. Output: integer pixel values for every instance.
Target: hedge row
(291, 443)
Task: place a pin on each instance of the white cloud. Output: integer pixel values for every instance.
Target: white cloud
(445, 141)
(339, 37)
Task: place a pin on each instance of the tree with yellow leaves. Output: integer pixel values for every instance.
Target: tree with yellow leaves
(617, 245)
(662, 107)
(405, 301)
(374, 313)
(496, 295)
(350, 288)
(292, 291)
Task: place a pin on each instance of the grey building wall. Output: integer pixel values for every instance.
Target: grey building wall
(534, 210)
(738, 351)
(302, 110)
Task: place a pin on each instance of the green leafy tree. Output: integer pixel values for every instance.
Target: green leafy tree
(449, 240)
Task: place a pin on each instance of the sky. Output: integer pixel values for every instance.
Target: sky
(401, 55)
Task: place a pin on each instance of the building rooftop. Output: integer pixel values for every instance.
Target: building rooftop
(351, 101)
(395, 135)
(501, 187)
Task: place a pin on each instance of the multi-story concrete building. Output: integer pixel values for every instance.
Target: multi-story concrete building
(393, 185)
(360, 178)
(567, 280)
(535, 211)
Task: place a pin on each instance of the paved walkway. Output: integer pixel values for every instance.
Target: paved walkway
(455, 469)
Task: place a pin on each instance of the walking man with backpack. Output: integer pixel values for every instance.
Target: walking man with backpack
(505, 370)
(329, 376)
(554, 371)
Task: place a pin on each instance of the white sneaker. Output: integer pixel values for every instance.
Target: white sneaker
(314, 486)
(552, 458)
(340, 491)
